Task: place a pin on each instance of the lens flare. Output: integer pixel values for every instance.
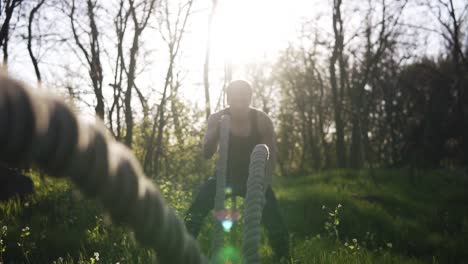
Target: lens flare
(228, 254)
(227, 225)
(227, 218)
(227, 214)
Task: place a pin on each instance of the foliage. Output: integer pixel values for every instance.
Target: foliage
(336, 216)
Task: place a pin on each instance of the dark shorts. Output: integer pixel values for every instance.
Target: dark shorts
(272, 219)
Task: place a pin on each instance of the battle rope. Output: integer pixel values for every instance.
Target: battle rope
(254, 202)
(221, 171)
(44, 131)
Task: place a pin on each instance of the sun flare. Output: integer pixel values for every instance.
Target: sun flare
(245, 30)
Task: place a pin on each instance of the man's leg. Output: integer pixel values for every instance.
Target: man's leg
(275, 226)
(201, 206)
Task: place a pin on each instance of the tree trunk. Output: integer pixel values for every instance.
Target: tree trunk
(337, 98)
(31, 54)
(9, 8)
(206, 66)
(92, 55)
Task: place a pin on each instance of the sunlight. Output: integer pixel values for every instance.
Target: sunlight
(246, 30)
(243, 33)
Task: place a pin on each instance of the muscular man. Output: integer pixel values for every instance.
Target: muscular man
(248, 128)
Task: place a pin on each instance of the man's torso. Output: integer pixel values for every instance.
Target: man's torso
(243, 137)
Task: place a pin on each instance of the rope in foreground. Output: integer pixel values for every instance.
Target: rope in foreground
(221, 173)
(253, 205)
(44, 131)
(254, 200)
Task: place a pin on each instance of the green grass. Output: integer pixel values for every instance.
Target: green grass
(426, 220)
(65, 228)
(382, 218)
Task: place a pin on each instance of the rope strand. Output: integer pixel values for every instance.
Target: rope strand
(254, 202)
(44, 131)
(221, 174)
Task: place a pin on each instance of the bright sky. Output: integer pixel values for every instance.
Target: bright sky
(244, 31)
(249, 31)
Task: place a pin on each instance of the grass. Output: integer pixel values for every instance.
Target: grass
(336, 216)
(426, 220)
(63, 227)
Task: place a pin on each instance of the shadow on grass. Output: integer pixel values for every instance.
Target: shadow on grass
(416, 220)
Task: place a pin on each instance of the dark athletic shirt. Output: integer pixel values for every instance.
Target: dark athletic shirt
(239, 151)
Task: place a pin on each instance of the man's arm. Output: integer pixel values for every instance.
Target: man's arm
(268, 137)
(210, 140)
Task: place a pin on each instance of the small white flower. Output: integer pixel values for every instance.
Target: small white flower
(4, 228)
(323, 207)
(339, 205)
(354, 240)
(96, 255)
(346, 244)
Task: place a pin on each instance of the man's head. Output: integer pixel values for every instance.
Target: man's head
(239, 95)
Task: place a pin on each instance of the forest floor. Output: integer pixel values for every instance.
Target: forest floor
(338, 216)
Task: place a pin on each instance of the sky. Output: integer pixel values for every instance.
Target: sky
(251, 31)
(244, 32)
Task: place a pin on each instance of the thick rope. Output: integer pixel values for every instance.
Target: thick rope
(44, 131)
(254, 202)
(221, 172)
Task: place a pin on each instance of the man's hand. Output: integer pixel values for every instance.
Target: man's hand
(268, 137)
(210, 141)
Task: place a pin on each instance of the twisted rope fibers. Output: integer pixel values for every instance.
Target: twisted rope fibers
(44, 131)
(254, 202)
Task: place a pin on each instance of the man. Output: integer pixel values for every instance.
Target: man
(248, 128)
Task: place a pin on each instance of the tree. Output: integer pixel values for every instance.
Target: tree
(120, 24)
(8, 10)
(206, 66)
(338, 89)
(147, 7)
(34, 61)
(371, 57)
(172, 33)
(452, 21)
(301, 111)
(91, 51)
